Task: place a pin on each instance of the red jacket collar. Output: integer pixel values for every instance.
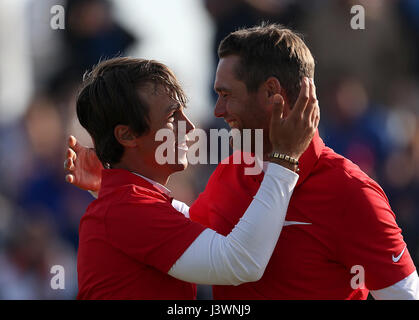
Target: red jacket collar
(307, 160)
(113, 178)
(310, 157)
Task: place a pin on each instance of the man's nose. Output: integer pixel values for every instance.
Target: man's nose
(189, 125)
(219, 110)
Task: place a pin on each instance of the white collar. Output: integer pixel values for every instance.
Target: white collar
(159, 186)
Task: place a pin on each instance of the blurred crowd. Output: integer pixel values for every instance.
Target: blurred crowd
(367, 84)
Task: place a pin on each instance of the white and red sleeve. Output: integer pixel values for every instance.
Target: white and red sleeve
(370, 237)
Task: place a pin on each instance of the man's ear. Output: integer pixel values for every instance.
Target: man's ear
(125, 136)
(272, 86)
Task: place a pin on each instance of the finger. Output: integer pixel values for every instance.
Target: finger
(302, 99)
(69, 165)
(308, 111)
(69, 178)
(314, 87)
(71, 154)
(74, 144)
(316, 113)
(312, 103)
(317, 119)
(278, 106)
(72, 141)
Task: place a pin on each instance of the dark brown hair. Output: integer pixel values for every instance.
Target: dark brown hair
(110, 96)
(269, 50)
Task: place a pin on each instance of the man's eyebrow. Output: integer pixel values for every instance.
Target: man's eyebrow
(221, 89)
(173, 107)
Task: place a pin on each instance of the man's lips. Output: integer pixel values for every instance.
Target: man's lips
(233, 124)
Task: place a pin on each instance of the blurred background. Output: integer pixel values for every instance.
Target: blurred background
(367, 84)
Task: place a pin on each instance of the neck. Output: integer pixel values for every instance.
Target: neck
(157, 174)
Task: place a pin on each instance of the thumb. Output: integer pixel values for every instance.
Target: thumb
(278, 107)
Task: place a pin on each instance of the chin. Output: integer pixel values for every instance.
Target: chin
(181, 163)
(178, 167)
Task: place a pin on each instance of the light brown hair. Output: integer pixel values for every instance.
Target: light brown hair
(110, 96)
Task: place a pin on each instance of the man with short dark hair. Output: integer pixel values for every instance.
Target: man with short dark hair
(269, 50)
(133, 243)
(340, 239)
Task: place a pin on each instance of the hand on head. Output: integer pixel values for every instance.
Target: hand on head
(82, 166)
(292, 135)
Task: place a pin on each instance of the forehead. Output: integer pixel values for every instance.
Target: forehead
(155, 93)
(226, 71)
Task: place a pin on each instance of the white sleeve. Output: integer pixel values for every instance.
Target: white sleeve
(243, 255)
(181, 207)
(406, 289)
